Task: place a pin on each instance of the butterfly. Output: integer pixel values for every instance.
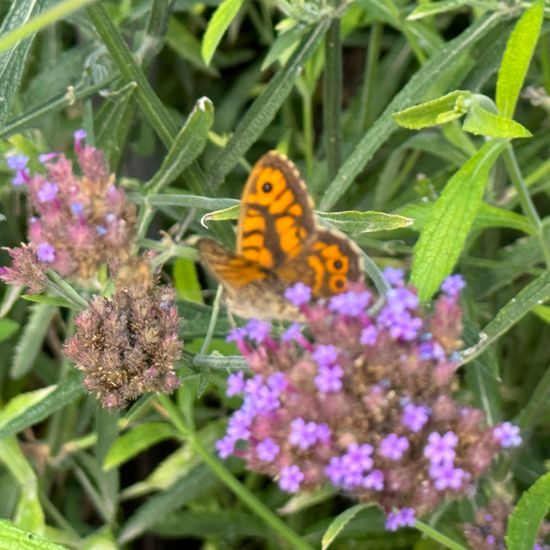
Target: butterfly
(279, 243)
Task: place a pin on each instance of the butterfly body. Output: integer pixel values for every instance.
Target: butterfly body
(279, 243)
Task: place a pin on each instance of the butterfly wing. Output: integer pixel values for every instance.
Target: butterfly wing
(327, 263)
(276, 218)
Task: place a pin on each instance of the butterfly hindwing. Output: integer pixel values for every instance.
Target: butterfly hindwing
(276, 217)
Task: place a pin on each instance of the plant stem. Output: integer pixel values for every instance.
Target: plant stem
(525, 200)
(364, 116)
(332, 92)
(247, 497)
(530, 414)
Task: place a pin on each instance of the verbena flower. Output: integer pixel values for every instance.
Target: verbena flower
(127, 344)
(363, 401)
(80, 221)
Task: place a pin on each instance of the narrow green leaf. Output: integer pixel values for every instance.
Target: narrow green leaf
(136, 440)
(8, 327)
(158, 507)
(284, 44)
(339, 522)
(525, 520)
(447, 59)
(354, 222)
(186, 281)
(48, 300)
(187, 46)
(437, 111)
(444, 235)
(54, 399)
(481, 122)
(433, 8)
(517, 57)
(534, 294)
(187, 146)
(265, 107)
(487, 216)
(543, 312)
(18, 539)
(12, 61)
(31, 340)
(229, 213)
(218, 24)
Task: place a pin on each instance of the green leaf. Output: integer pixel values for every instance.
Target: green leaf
(195, 319)
(186, 281)
(159, 506)
(265, 107)
(525, 520)
(534, 294)
(448, 59)
(354, 222)
(229, 213)
(8, 328)
(218, 24)
(187, 146)
(444, 234)
(517, 57)
(427, 9)
(18, 539)
(339, 522)
(437, 111)
(188, 201)
(32, 338)
(136, 440)
(481, 122)
(12, 61)
(48, 300)
(53, 399)
(543, 312)
(487, 216)
(284, 44)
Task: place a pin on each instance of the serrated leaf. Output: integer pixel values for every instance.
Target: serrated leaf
(451, 219)
(32, 338)
(525, 520)
(534, 294)
(53, 399)
(14, 538)
(136, 440)
(339, 522)
(354, 222)
(187, 146)
(481, 122)
(8, 327)
(437, 111)
(517, 57)
(218, 24)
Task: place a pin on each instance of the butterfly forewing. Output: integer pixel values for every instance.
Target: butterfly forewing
(276, 217)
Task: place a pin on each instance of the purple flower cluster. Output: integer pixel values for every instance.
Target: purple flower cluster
(80, 221)
(363, 401)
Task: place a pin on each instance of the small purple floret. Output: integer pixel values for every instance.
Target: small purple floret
(329, 379)
(452, 285)
(257, 330)
(267, 450)
(395, 277)
(47, 192)
(446, 476)
(290, 478)
(393, 447)
(369, 335)
(325, 355)
(405, 517)
(415, 416)
(350, 303)
(299, 294)
(235, 384)
(45, 252)
(441, 448)
(508, 434)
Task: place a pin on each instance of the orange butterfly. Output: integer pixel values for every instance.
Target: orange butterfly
(279, 243)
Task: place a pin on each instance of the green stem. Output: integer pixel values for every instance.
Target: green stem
(332, 92)
(437, 536)
(55, 104)
(247, 497)
(213, 320)
(307, 122)
(376, 275)
(530, 415)
(364, 116)
(525, 200)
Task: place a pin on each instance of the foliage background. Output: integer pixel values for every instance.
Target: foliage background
(85, 478)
